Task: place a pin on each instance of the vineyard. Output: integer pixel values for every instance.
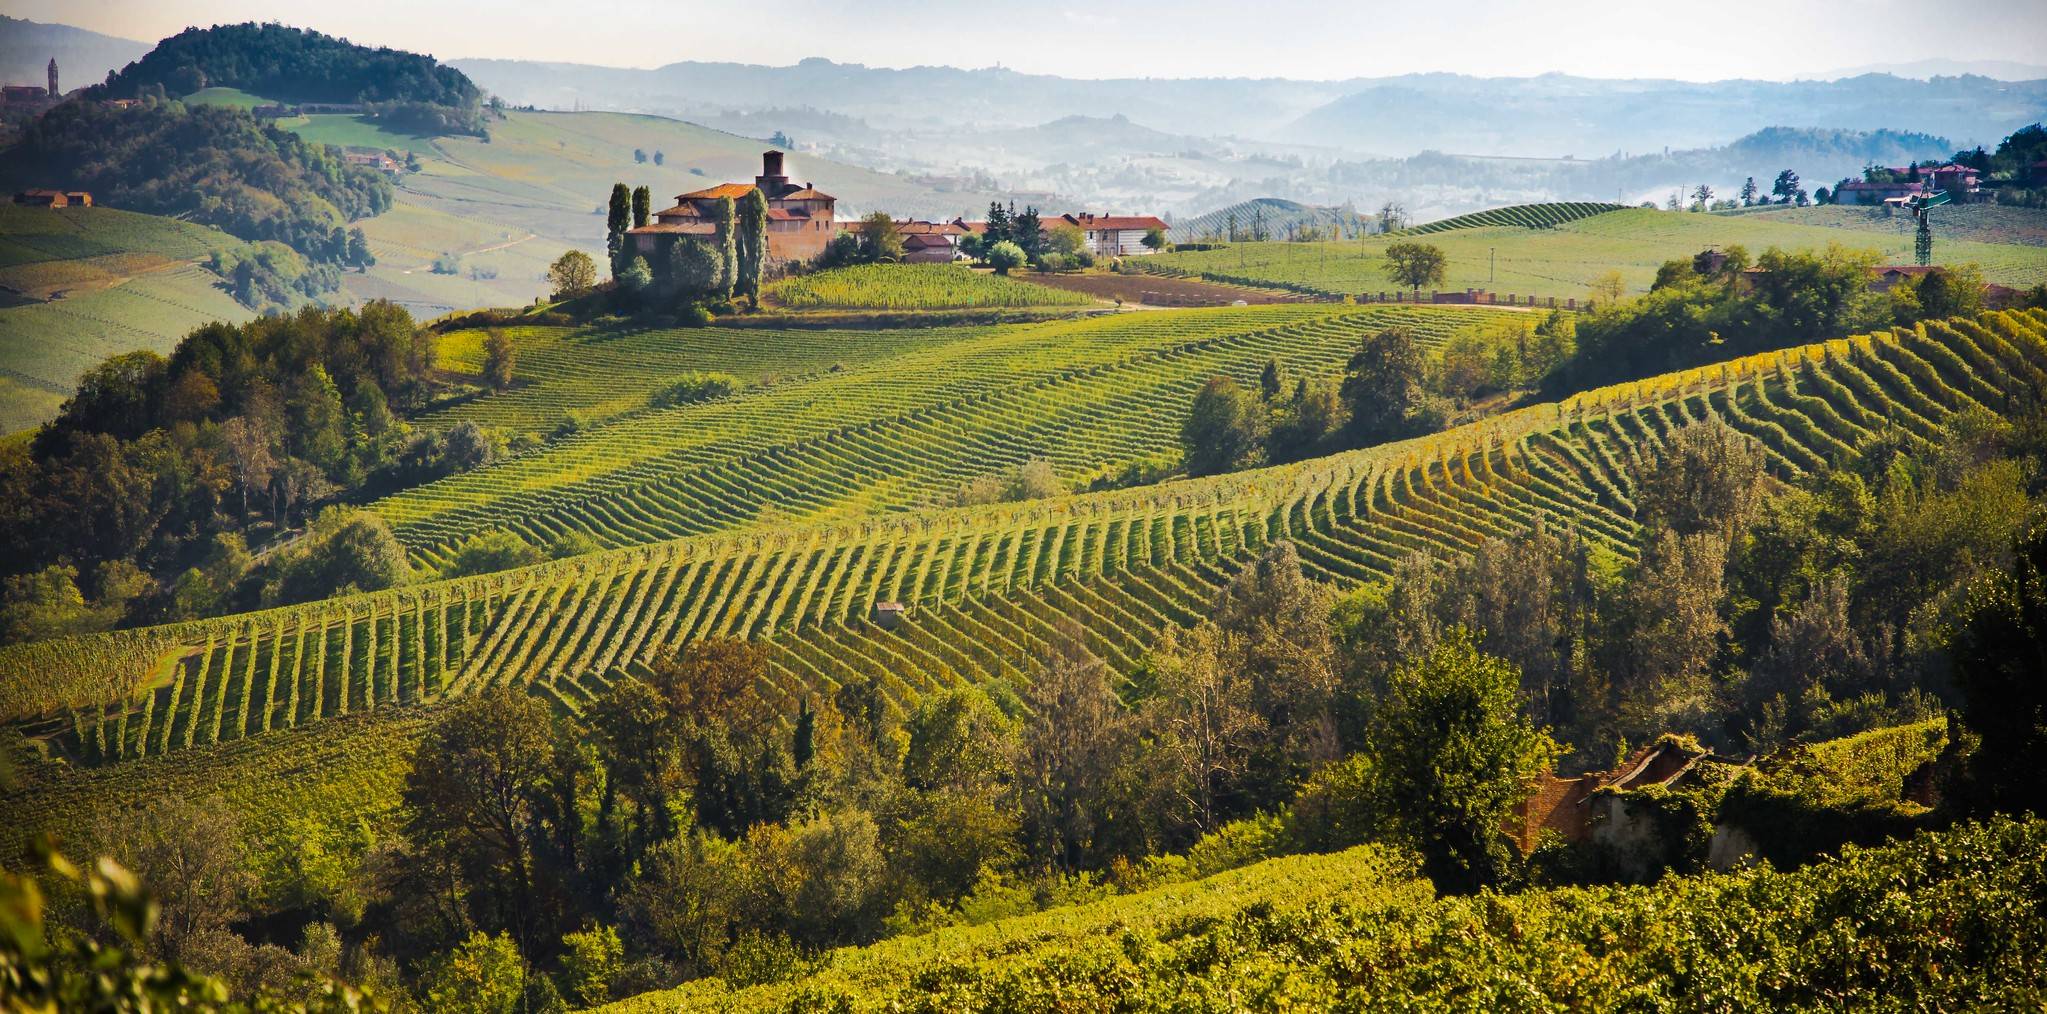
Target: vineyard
(878, 430)
(1948, 920)
(1563, 260)
(986, 586)
(1519, 216)
(1275, 214)
(913, 287)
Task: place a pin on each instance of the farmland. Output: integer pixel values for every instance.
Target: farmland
(1519, 216)
(1972, 223)
(83, 284)
(913, 287)
(930, 410)
(985, 584)
(1358, 929)
(1561, 261)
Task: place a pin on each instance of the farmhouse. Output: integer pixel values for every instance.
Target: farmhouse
(800, 217)
(41, 198)
(1865, 192)
(924, 242)
(380, 161)
(1111, 235)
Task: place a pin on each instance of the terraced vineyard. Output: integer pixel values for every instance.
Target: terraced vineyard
(986, 585)
(894, 432)
(1519, 216)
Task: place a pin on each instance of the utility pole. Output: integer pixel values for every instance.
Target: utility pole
(1489, 251)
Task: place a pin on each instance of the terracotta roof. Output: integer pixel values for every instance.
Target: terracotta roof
(926, 239)
(682, 228)
(680, 211)
(806, 194)
(732, 190)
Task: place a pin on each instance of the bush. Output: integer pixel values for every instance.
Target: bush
(691, 388)
(1005, 257)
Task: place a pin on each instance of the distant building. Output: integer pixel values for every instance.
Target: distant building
(41, 198)
(54, 90)
(23, 95)
(1867, 193)
(1888, 276)
(800, 217)
(924, 242)
(1102, 235)
(377, 160)
(78, 198)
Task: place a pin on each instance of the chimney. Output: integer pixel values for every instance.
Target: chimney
(771, 163)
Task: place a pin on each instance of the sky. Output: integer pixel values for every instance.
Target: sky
(1145, 38)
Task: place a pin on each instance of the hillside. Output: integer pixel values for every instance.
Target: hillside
(1562, 261)
(1360, 928)
(986, 585)
(82, 284)
(1274, 214)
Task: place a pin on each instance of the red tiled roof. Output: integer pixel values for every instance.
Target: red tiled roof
(926, 239)
(680, 211)
(732, 190)
(806, 194)
(682, 228)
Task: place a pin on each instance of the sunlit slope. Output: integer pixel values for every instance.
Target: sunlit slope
(1562, 260)
(900, 421)
(987, 585)
(80, 284)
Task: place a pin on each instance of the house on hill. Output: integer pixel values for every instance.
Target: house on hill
(1865, 192)
(1102, 235)
(925, 242)
(42, 198)
(800, 216)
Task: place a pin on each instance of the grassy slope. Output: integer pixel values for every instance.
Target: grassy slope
(126, 281)
(914, 287)
(1562, 262)
(537, 188)
(1976, 223)
(1949, 920)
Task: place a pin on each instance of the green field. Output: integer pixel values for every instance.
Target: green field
(82, 284)
(986, 585)
(913, 287)
(1563, 260)
(234, 97)
(1948, 920)
(1971, 223)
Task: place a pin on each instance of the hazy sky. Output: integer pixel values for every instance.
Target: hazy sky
(1155, 38)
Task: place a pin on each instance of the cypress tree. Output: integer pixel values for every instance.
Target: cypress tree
(615, 223)
(753, 245)
(643, 206)
(728, 250)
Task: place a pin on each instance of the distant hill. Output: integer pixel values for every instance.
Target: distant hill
(2002, 70)
(1554, 114)
(83, 57)
(1276, 215)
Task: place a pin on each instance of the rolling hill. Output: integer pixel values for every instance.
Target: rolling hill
(1276, 214)
(80, 284)
(235, 704)
(1562, 260)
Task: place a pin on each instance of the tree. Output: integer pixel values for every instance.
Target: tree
(639, 154)
(617, 219)
(1748, 192)
(693, 268)
(482, 975)
(572, 274)
(1922, 240)
(643, 206)
(753, 245)
(359, 255)
(196, 861)
(660, 157)
(1314, 414)
(1702, 196)
(637, 276)
(591, 960)
(1607, 288)
(1448, 754)
(724, 217)
(999, 230)
(1392, 217)
(489, 552)
(1786, 186)
(1414, 264)
(1154, 239)
(1027, 232)
(2000, 666)
(344, 550)
(957, 742)
(1382, 385)
(1203, 718)
(500, 359)
(1223, 431)
(478, 793)
(880, 243)
(1005, 257)
(1073, 741)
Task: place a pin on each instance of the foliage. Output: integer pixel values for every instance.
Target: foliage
(691, 388)
(343, 551)
(483, 975)
(572, 274)
(1414, 264)
(292, 64)
(500, 359)
(1005, 256)
(213, 165)
(2000, 657)
(1223, 430)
